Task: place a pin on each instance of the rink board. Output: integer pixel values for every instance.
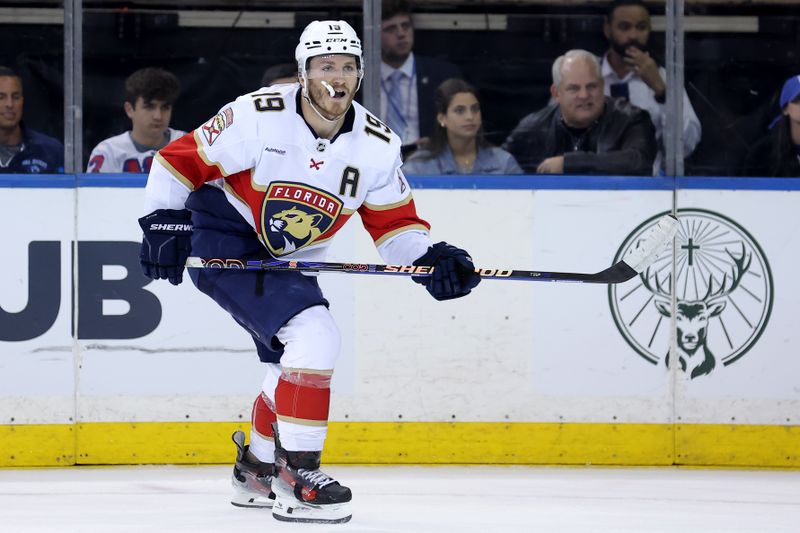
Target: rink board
(114, 370)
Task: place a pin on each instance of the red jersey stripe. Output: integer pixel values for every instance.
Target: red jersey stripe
(384, 223)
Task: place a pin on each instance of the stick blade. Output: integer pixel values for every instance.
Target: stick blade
(194, 262)
(652, 244)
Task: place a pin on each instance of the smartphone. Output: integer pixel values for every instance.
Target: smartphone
(620, 90)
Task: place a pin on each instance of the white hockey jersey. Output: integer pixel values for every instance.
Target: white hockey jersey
(119, 154)
(295, 189)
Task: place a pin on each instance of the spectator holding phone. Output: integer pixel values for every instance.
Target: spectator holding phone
(631, 73)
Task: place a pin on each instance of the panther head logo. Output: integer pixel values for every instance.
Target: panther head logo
(296, 227)
(296, 215)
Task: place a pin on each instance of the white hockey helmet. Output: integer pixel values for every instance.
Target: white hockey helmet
(326, 37)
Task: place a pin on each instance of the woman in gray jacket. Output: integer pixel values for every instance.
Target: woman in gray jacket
(457, 144)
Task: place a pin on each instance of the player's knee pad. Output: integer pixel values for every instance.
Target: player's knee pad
(311, 340)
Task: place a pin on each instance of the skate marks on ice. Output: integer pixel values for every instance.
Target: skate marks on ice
(410, 500)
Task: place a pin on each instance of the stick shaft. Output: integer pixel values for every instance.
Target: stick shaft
(615, 274)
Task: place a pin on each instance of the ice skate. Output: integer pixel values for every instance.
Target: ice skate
(304, 493)
(252, 480)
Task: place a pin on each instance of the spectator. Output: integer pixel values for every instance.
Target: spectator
(631, 73)
(280, 73)
(457, 145)
(149, 96)
(23, 150)
(407, 80)
(583, 131)
(778, 154)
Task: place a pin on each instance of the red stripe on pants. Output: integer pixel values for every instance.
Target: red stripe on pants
(262, 417)
(301, 401)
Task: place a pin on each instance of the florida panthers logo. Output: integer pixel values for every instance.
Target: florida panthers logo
(295, 215)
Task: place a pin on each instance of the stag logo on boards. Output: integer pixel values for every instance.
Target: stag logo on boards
(723, 292)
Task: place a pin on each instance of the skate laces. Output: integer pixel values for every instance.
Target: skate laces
(317, 477)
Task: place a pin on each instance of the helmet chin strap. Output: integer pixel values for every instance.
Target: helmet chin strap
(307, 98)
(331, 92)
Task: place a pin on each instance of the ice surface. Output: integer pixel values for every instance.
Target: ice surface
(392, 499)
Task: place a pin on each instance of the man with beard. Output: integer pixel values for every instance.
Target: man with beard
(275, 175)
(631, 73)
(583, 131)
(408, 81)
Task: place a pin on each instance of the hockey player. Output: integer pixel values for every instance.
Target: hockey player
(149, 96)
(276, 174)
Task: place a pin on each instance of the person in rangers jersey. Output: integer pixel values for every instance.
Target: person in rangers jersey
(150, 94)
(275, 174)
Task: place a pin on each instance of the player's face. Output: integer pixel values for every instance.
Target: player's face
(11, 101)
(580, 94)
(339, 72)
(629, 26)
(149, 117)
(397, 37)
(463, 118)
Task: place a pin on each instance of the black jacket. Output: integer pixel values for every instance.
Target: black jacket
(772, 156)
(621, 141)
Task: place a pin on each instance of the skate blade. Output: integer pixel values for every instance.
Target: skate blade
(250, 500)
(293, 510)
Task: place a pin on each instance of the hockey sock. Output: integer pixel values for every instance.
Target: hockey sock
(262, 441)
(302, 400)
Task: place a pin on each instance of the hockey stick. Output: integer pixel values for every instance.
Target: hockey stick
(646, 250)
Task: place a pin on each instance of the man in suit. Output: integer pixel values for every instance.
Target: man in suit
(408, 81)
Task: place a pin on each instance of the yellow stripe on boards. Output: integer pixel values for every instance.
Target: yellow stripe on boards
(37, 445)
(102, 443)
(414, 443)
(737, 445)
(499, 443)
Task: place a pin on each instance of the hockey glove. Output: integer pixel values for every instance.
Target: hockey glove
(453, 275)
(166, 243)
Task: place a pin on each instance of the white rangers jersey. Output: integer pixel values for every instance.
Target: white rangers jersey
(119, 154)
(295, 189)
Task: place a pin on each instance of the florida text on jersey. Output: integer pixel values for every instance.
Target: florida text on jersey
(295, 189)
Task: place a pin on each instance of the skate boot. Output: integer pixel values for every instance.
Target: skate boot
(304, 493)
(252, 479)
